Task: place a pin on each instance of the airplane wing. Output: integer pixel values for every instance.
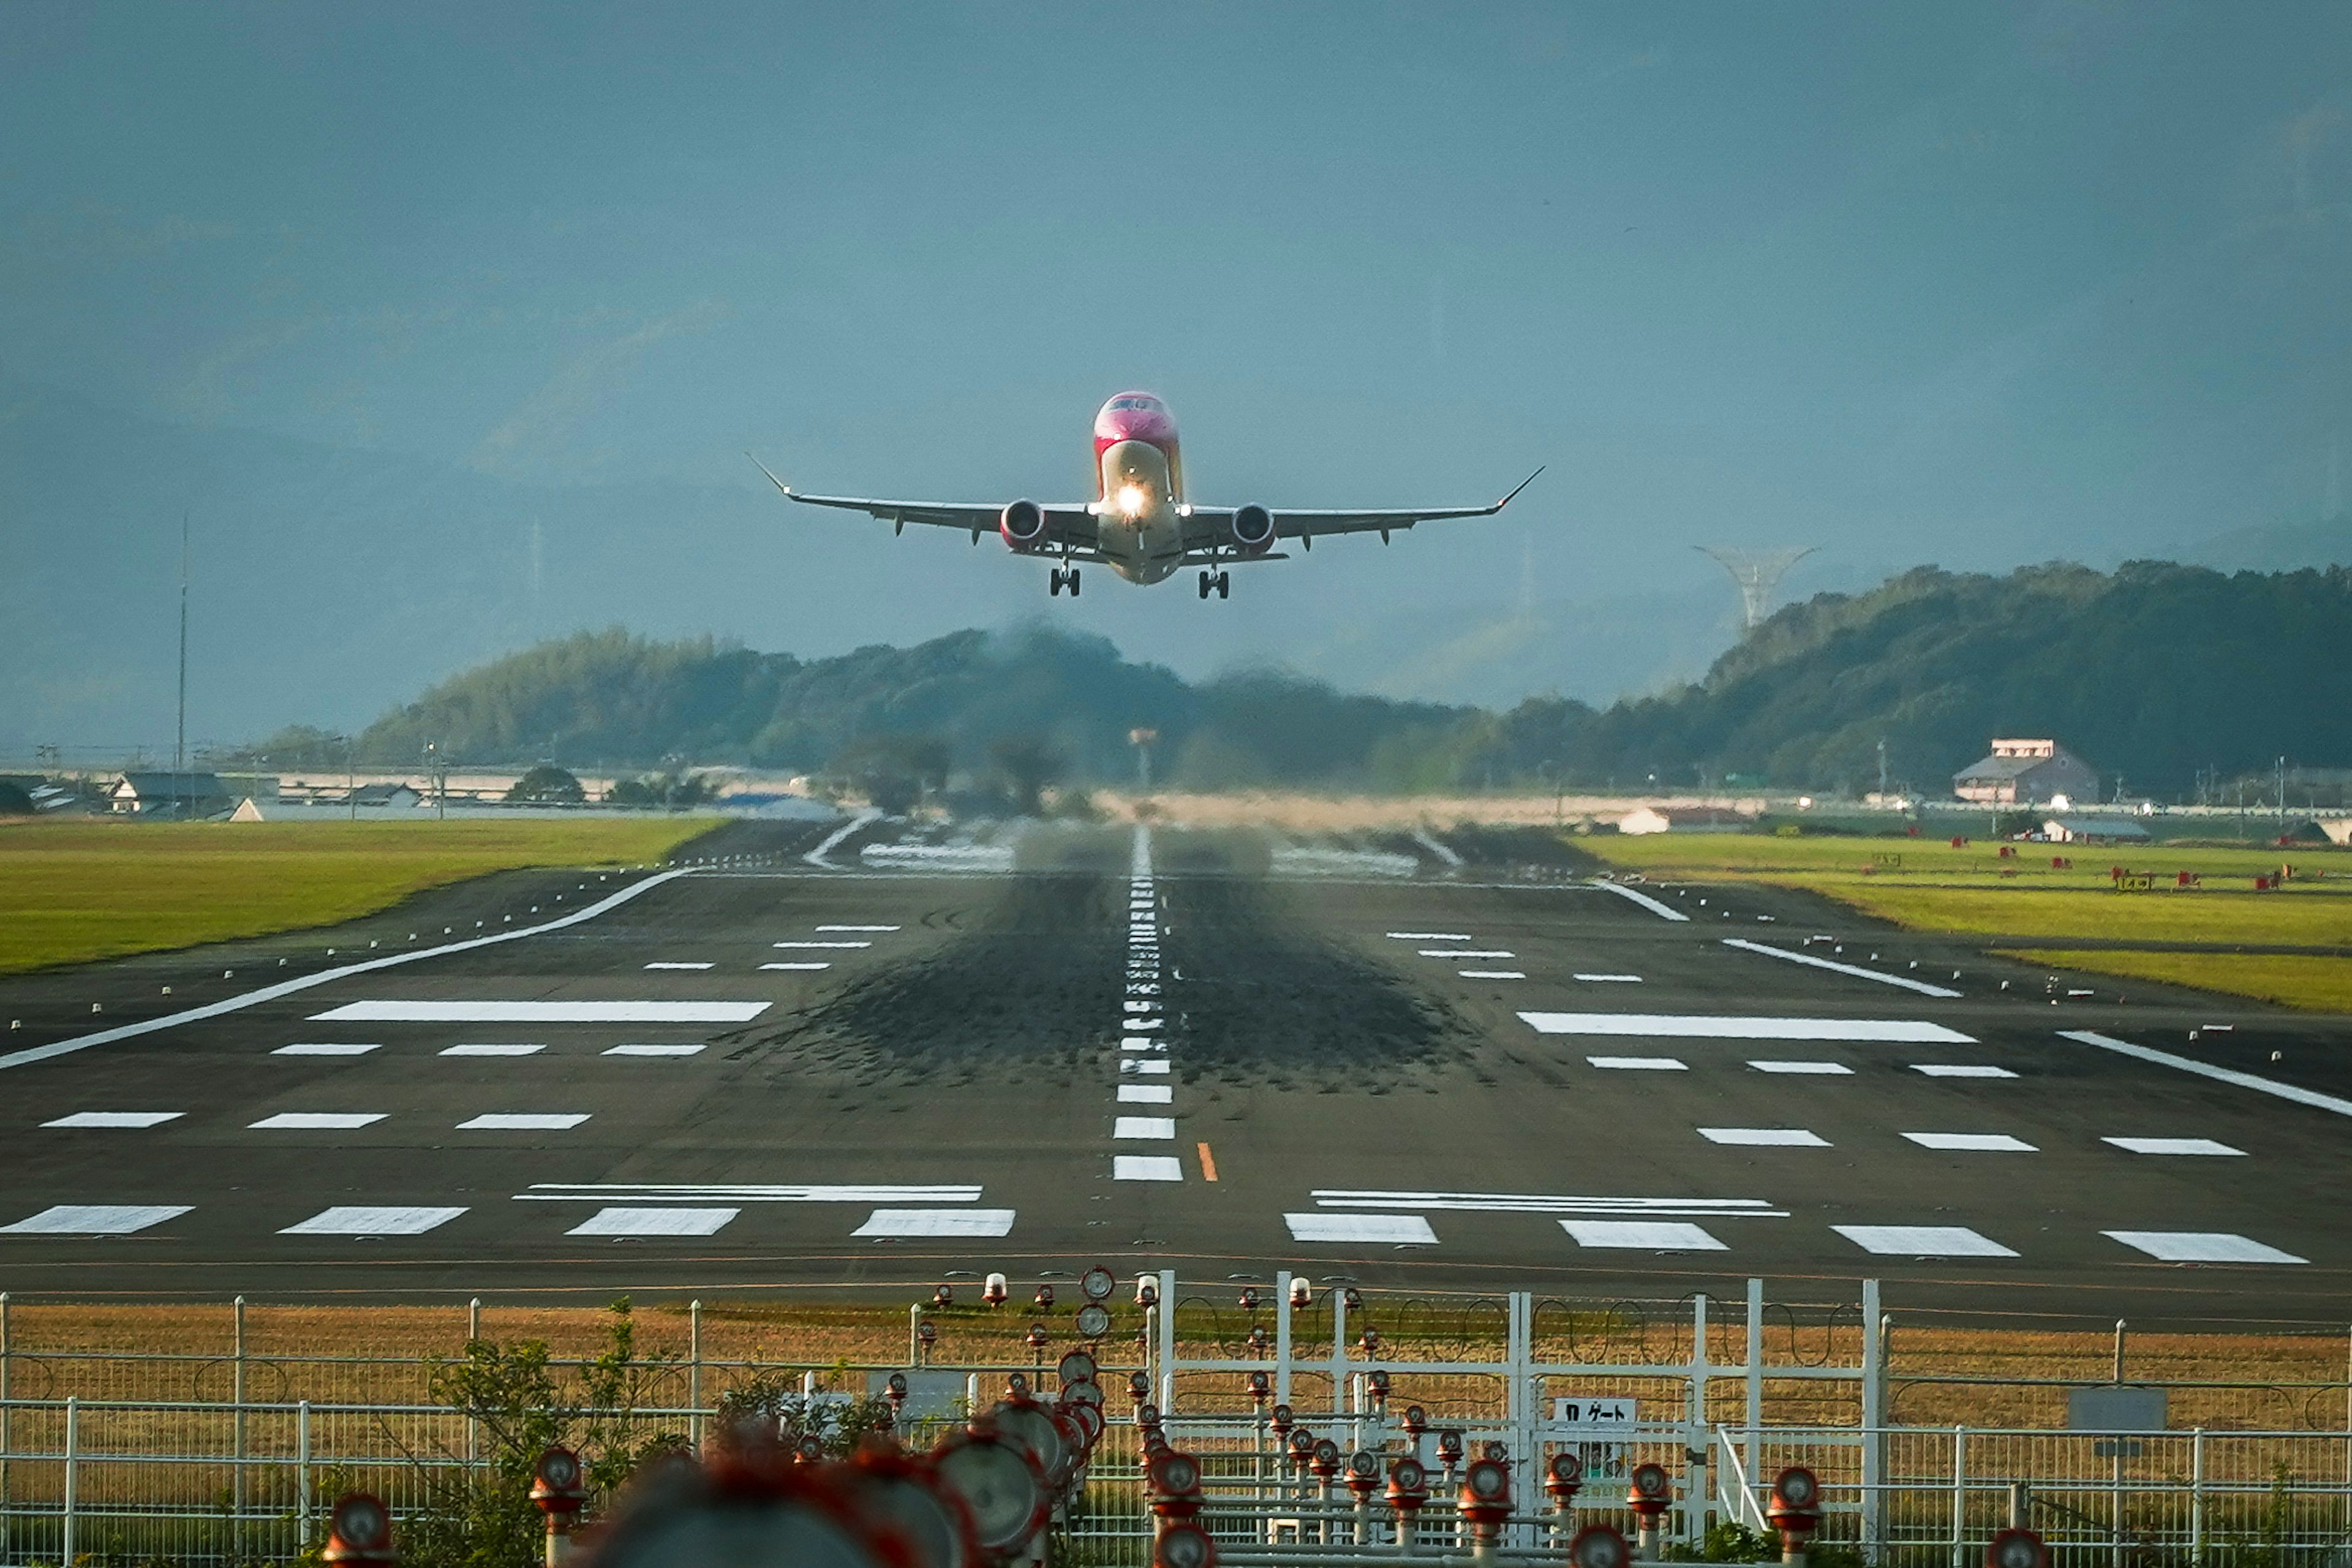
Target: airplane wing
(1209, 527)
(1071, 525)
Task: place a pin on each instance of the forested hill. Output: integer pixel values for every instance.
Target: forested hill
(2155, 670)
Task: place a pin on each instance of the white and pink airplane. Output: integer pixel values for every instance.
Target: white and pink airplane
(1140, 524)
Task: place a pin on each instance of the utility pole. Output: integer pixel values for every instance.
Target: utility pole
(2282, 796)
(180, 735)
(1882, 770)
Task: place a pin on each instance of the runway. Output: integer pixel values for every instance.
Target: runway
(1453, 1063)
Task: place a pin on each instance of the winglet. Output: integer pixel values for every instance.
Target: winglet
(1498, 505)
(788, 490)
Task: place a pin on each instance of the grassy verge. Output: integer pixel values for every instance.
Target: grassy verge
(73, 891)
(1927, 885)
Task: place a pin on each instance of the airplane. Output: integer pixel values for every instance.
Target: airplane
(1140, 524)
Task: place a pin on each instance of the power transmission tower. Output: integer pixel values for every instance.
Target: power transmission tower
(1758, 573)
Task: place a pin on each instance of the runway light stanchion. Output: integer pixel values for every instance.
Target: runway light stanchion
(1363, 1474)
(1563, 1478)
(1184, 1546)
(360, 1531)
(942, 1299)
(1649, 1492)
(895, 1391)
(560, 1491)
(995, 1291)
(1174, 1477)
(1044, 1297)
(1599, 1546)
(1147, 1290)
(1408, 1491)
(1795, 1510)
(2017, 1547)
(1301, 1294)
(1486, 1503)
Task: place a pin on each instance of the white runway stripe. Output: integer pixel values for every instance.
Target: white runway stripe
(1144, 1127)
(1641, 1064)
(1652, 1235)
(1678, 1025)
(95, 1219)
(1152, 1067)
(1145, 1093)
(819, 946)
(1764, 1137)
(748, 1193)
(1465, 953)
(364, 1221)
(424, 1012)
(1817, 1069)
(491, 1050)
(2172, 1146)
(1921, 986)
(1146, 1168)
(2201, 1247)
(1608, 979)
(323, 1048)
(681, 965)
(318, 1121)
(116, 1118)
(1960, 1070)
(1972, 1142)
(1142, 1043)
(1662, 911)
(1491, 974)
(1544, 1203)
(1922, 1241)
(652, 1050)
(2312, 1097)
(654, 1222)
(1387, 1229)
(1432, 936)
(507, 1121)
(916, 1225)
(796, 965)
(854, 929)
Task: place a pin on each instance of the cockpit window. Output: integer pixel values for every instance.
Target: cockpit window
(1133, 403)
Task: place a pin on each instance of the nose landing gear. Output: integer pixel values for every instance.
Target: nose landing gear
(1060, 579)
(1218, 583)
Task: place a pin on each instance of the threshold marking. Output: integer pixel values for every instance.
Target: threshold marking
(1650, 1236)
(1662, 911)
(116, 1118)
(2201, 1247)
(1961, 1069)
(652, 1050)
(916, 1225)
(1144, 1127)
(1922, 1241)
(1859, 972)
(1973, 1143)
(502, 1121)
(1641, 1064)
(1678, 1025)
(1146, 1168)
(423, 1012)
(2206, 1069)
(681, 965)
(1819, 1069)
(796, 966)
(654, 1222)
(491, 1050)
(324, 977)
(1540, 1202)
(1765, 1137)
(1492, 973)
(2172, 1146)
(1143, 1066)
(1389, 1229)
(362, 1221)
(1608, 979)
(1145, 1094)
(745, 1192)
(323, 1048)
(95, 1219)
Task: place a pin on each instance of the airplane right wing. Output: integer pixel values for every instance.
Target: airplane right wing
(1064, 526)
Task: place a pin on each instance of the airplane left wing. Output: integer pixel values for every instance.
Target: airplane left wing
(1069, 526)
(1207, 527)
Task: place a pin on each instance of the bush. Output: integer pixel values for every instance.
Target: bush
(546, 784)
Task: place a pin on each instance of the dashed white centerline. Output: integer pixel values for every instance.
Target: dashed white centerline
(1921, 986)
(1662, 911)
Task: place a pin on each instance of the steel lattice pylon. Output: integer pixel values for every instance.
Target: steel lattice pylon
(1758, 573)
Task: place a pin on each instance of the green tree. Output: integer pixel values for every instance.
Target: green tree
(546, 784)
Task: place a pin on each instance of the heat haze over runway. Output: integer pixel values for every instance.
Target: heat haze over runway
(1446, 1060)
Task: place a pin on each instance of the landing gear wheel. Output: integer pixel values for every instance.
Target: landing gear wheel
(1071, 576)
(1224, 585)
(1054, 580)
(1208, 580)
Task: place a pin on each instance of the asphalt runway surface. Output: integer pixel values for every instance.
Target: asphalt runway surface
(1451, 1064)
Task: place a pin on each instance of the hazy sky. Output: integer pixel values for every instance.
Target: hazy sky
(1972, 284)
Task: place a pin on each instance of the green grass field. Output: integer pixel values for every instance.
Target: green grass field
(77, 890)
(1925, 884)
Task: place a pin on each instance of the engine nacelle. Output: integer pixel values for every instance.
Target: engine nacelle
(1253, 529)
(1023, 524)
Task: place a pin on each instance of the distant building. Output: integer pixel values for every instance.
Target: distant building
(2093, 830)
(182, 795)
(2022, 773)
(383, 795)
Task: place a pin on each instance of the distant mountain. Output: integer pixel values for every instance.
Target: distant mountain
(2278, 547)
(2155, 672)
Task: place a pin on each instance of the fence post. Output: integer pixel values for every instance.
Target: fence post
(302, 1471)
(1874, 1334)
(473, 1423)
(1281, 1342)
(7, 1433)
(1960, 1495)
(237, 1528)
(73, 1452)
(2197, 1495)
(1697, 1500)
(694, 1368)
(1756, 1377)
(1167, 1368)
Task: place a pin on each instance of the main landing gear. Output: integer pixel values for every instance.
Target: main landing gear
(1218, 583)
(1055, 584)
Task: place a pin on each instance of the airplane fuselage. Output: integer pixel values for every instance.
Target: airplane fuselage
(1139, 503)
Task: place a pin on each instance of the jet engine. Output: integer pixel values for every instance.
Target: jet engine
(1023, 524)
(1253, 529)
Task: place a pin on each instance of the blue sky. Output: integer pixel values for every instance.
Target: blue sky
(1975, 285)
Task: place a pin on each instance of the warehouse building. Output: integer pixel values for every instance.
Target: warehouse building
(2027, 772)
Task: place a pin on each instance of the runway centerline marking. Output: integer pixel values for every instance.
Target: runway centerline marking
(1431, 936)
(326, 976)
(803, 965)
(652, 1050)
(854, 928)
(1662, 911)
(2312, 1097)
(1680, 1026)
(1608, 979)
(438, 1012)
(95, 1219)
(116, 1118)
(1465, 953)
(1960, 1070)
(1859, 972)
(677, 965)
(1492, 973)
(1819, 1069)
(818, 946)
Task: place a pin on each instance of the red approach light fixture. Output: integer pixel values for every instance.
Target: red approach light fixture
(1353, 1297)
(1044, 1297)
(1363, 1475)
(1368, 1342)
(1301, 1293)
(1075, 1366)
(1036, 1337)
(1138, 1386)
(1249, 1298)
(1282, 1421)
(942, 1299)
(1449, 1447)
(1259, 1339)
(995, 1291)
(1375, 1384)
(1259, 1388)
(360, 1531)
(1599, 1546)
(1795, 1509)
(1096, 1283)
(1407, 1486)
(1563, 1478)
(1485, 1500)
(1325, 1460)
(2017, 1548)
(1147, 1290)
(1416, 1422)
(1184, 1546)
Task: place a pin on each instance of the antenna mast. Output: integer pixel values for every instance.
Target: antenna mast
(1757, 572)
(180, 736)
